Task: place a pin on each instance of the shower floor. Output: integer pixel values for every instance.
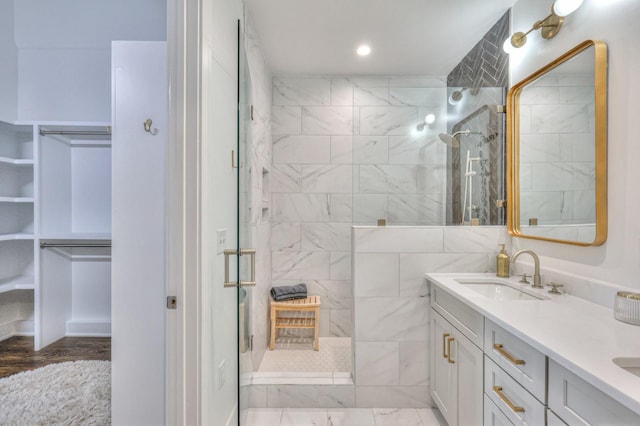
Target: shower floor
(295, 355)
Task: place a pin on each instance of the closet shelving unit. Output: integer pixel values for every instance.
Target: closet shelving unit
(55, 224)
(16, 208)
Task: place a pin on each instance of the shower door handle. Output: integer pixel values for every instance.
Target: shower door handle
(241, 252)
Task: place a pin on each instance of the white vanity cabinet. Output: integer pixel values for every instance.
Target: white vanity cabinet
(576, 402)
(456, 361)
(481, 373)
(492, 414)
(515, 376)
(535, 372)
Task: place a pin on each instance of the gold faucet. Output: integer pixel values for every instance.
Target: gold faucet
(537, 281)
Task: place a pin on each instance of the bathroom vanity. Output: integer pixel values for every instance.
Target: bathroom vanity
(503, 353)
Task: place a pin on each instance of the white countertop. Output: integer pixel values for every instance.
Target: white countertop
(577, 334)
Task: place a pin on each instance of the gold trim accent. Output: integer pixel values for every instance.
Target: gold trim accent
(629, 295)
(444, 338)
(498, 347)
(550, 27)
(449, 340)
(513, 145)
(503, 397)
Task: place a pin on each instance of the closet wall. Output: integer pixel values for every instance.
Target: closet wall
(55, 74)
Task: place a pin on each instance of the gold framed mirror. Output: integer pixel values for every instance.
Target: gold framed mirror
(557, 150)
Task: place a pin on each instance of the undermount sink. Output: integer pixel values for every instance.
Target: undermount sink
(498, 290)
(632, 365)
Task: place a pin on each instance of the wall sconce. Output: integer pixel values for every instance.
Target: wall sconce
(429, 119)
(549, 27)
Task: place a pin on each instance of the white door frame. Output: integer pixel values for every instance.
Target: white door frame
(183, 222)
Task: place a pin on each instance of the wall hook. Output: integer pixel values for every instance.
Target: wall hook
(147, 127)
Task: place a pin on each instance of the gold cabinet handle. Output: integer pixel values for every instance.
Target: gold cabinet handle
(449, 340)
(498, 347)
(503, 397)
(444, 349)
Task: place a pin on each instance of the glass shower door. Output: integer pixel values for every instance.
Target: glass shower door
(244, 238)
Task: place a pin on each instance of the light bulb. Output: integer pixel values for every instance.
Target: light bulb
(430, 118)
(363, 50)
(565, 7)
(508, 47)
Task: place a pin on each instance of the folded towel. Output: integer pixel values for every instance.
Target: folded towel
(289, 292)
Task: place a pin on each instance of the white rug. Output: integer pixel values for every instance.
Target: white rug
(68, 393)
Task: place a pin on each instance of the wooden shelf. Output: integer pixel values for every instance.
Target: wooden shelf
(295, 322)
(16, 199)
(19, 236)
(22, 282)
(16, 161)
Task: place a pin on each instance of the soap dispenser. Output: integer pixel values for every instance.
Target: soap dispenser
(502, 263)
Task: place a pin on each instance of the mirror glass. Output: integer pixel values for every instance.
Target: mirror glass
(557, 132)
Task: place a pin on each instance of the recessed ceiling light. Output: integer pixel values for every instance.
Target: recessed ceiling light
(363, 50)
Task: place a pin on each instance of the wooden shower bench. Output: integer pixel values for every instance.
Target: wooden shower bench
(309, 304)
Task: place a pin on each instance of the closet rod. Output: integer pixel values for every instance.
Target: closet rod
(76, 132)
(45, 245)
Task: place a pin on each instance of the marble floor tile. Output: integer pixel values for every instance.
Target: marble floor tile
(351, 417)
(397, 416)
(431, 417)
(304, 417)
(343, 417)
(264, 416)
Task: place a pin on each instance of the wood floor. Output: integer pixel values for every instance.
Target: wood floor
(17, 354)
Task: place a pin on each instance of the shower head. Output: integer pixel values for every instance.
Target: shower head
(451, 139)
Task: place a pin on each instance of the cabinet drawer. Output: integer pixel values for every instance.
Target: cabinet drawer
(578, 403)
(525, 364)
(514, 401)
(468, 321)
(492, 414)
(553, 420)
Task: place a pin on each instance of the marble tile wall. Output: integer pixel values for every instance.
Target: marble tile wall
(346, 150)
(260, 162)
(560, 154)
(391, 303)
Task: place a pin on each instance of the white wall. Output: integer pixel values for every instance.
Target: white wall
(8, 64)
(614, 22)
(63, 56)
